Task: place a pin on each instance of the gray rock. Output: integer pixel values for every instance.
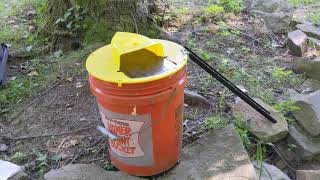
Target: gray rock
(194, 99)
(277, 14)
(297, 42)
(20, 176)
(309, 113)
(309, 86)
(308, 175)
(299, 17)
(259, 125)
(310, 30)
(269, 172)
(305, 147)
(218, 155)
(310, 68)
(84, 172)
(314, 43)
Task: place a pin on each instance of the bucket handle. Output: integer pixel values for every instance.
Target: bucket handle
(107, 133)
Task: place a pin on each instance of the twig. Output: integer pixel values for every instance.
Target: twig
(193, 128)
(283, 159)
(93, 160)
(36, 99)
(48, 135)
(164, 13)
(135, 23)
(245, 34)
(80, 153)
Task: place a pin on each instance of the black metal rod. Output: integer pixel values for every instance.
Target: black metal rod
(209, 69)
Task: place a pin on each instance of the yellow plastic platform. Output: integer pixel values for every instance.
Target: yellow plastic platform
(133, 58)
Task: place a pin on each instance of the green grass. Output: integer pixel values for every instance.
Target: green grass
(215, 122)
(19, 157)
(48, 69)
(297, 3)
(14, 7)
(214, 10)
(314, 17)
(242, 129)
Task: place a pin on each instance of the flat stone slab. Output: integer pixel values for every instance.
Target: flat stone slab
(259, 125)
(308, 67)
(314, 42)
(309, 113)
(308, 174)
(305, 147)
(309, 86)
(269, 172)
(85, 172)
(297, 42)
(218, 155)
(310, 30)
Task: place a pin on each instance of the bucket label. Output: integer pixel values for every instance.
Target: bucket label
(134, 146)
(128, 131)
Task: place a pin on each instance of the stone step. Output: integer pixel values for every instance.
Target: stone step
(309, 113)
(310, 30)
(314, 43)
(218, 155)
(309, 67)
(258, 124)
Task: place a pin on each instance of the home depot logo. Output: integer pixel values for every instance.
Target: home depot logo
(128, 143)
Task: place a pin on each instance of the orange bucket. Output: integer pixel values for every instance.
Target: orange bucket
(138, 83)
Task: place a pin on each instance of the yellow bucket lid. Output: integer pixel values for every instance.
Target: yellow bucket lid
(133, 58)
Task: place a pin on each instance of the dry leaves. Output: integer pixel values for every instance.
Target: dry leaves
(64, 147)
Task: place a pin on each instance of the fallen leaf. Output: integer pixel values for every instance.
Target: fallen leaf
(63, 149)
(13, 78)
(3, 147)
(79, 85)
(29, 48)
(70, 79)
(24, 36)
(33, 73)
(58, 54)
(213, 28)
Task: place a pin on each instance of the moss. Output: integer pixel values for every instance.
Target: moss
(97, 31)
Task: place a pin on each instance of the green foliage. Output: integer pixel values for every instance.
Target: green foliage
(215, 122)
(286, 106)
(291, 147)
(109, 166)
(2, 7)
(72, 18)
(40, 5)
(245, 49)
(214, 10)
(314, 17)
(19, 157)
(41, 162)
(97, 32)
(24, 86)
(281, 74)
(242, 129)
(16, 90)
(232, 5)
(296, 3)
(259, 158)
